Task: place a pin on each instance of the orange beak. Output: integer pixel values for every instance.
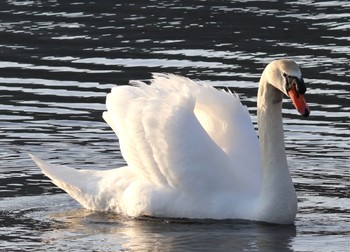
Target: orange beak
(299, 102)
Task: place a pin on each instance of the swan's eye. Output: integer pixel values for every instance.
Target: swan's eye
(293, 81)
(289, 81)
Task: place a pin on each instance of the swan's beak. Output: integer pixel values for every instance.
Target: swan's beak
(299, 102)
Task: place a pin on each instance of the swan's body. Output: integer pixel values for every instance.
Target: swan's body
(192, 152)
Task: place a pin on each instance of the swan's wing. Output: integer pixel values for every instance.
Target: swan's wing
(161, 138)
(228, 123)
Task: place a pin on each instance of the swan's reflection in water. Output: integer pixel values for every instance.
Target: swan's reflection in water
(112, 232)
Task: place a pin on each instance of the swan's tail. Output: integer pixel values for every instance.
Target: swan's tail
(81, 185)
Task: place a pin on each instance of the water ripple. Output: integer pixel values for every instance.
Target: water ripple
(59, 59)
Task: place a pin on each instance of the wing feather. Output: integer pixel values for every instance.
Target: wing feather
(175, 130)
(228, 123)
(161, 137)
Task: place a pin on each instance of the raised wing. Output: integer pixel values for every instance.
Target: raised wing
(163, 140)
(228, 123)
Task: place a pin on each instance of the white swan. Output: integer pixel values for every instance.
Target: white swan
(192, 152)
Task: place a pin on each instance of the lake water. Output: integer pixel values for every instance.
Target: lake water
(59, 59)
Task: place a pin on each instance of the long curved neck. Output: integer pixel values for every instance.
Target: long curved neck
(271, 135)
(277, 193)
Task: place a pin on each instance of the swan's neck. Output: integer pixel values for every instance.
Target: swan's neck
(271, 135)
(277, 199)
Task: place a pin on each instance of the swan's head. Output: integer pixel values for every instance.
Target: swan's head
(285, 75)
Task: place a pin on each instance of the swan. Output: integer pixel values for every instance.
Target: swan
(192, 151)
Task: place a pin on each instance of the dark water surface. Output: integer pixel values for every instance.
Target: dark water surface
(58, 60)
